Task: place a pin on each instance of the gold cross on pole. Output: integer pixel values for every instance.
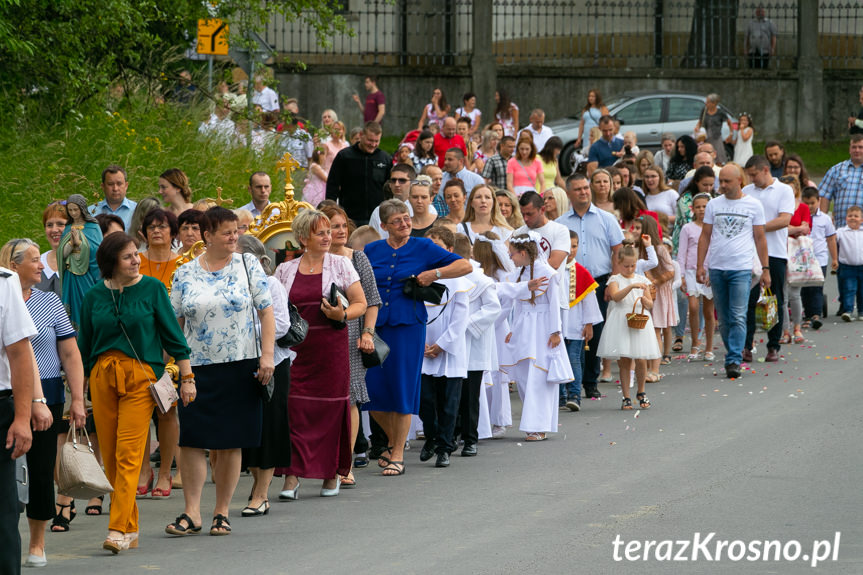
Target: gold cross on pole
(288, 164)
(220, 201)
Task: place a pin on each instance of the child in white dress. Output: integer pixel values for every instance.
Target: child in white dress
(491, 253)
(619, 341)
(534, 355)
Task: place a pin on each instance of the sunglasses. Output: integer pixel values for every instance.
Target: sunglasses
(399, 180)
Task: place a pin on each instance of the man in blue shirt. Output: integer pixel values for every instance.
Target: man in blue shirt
(599, 239)
(114, 186)
(601, 151)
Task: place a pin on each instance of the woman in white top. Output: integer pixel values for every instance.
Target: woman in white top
(483, 215)
(469, 110)
(658, 196)
(436, 111)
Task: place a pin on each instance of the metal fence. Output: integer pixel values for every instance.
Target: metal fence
(617, 34)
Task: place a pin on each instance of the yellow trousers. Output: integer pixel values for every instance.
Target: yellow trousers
(122, 408)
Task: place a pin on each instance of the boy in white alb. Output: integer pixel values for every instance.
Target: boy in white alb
(485, 308)
(445, 361)
(580, 313)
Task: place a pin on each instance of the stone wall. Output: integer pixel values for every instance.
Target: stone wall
(771, 98)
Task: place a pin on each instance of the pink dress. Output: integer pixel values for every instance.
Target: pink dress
(315, 189)
(332, 150)
(664, 312)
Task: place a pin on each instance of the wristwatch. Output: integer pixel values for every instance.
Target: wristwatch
(345, 319)
(437, 273)
(41, 400)
(369, 330)
(765, 268)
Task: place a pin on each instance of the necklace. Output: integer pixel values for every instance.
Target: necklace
(206, 266)
(159, 270)
(310, 264)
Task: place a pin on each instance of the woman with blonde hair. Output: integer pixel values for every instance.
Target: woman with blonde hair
(319, 399)
(507, 203)
(483, 215)
(556, 202)
(601, 188)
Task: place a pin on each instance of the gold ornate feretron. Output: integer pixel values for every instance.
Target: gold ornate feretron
(277, 218)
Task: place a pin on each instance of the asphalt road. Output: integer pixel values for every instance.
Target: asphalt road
(772, 456)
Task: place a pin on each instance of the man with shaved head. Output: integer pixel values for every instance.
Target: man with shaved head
(446, 139)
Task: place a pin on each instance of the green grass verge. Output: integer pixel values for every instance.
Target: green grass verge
(818, 156)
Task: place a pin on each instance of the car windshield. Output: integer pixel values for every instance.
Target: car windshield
(617, 102)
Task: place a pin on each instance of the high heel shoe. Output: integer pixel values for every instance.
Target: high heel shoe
(143, 490)
(116, 544)
(332, 492)
(158, 493)
(261, 509)
(290, 494)
(132, 540)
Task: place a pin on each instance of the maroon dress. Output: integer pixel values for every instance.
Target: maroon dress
(319, 398)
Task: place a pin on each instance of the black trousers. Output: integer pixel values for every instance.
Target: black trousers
(593, 364)
(10, 539)
(439, 399)
(468, 407)
(777, 280)
(40, 463)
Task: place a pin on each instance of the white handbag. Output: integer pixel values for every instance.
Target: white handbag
(80, 476)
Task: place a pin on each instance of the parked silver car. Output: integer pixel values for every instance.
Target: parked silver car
(648, 114)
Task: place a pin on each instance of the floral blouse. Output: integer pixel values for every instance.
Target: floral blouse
(218, 309)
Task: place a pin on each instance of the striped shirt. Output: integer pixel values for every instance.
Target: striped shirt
(53, 325)
(843, 184)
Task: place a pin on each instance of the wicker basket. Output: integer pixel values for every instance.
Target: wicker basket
(637, 320)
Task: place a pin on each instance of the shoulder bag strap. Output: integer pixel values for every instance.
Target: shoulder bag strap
(526, 173)
(258, 349)
(123, 328)
(467, 232)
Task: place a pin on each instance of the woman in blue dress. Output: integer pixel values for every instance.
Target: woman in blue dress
(76, 255)
(394, 387)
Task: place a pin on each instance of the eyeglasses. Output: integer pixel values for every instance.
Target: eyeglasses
(399, 180)
(158, 227)
(403, 220)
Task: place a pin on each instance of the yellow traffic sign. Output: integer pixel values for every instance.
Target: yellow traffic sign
(212, 37)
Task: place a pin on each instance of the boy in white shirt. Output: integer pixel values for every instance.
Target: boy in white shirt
(823, 236)
(580, 313)
(445, 361)
(850, 262)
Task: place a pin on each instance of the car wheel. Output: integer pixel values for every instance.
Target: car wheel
(567, 159)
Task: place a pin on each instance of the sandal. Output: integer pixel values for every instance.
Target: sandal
(678, 344)
(709, 356)
(159, 493)
(785, 339)
(535, 436)
(60, 524)
(643, 402)
(177, 528)
(695, 354)
(626, 404)
(384, 458)
(798, 336)
(348, 481)
(666, 360)
(221, 525)
(94, 510)
(651, 377)
(397, 466)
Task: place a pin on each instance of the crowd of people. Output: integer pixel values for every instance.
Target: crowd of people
(469, 256)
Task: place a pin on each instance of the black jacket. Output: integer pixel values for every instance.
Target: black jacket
(356, 180)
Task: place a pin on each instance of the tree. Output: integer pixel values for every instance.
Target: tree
(712, 36)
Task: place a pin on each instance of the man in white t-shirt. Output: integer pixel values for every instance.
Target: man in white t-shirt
(777, 199)
(17, 374)
(540, 132)
(732, 234)
(554, 245)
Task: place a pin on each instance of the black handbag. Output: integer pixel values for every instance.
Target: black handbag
(338, 297)
(298, 330)
(379, 355)
(432, 293)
